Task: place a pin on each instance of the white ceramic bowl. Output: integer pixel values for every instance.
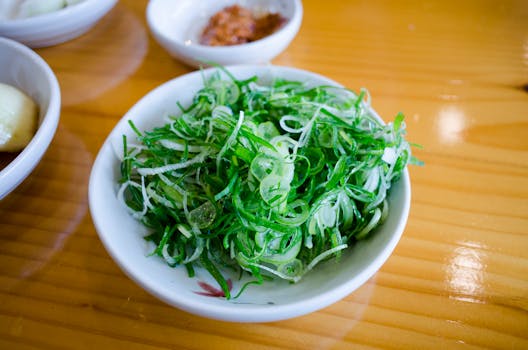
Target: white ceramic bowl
(122, 235)
(177, 25)
(30, 73)
(56, 27)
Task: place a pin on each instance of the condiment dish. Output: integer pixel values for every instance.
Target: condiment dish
(55, 27)
(122, 235)
(178, 24)
(32, 75)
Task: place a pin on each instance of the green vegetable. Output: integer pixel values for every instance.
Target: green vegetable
(269, 179)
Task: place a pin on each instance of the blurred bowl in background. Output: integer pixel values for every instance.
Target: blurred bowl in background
(31, 74)
(56, 27)
(178, 24)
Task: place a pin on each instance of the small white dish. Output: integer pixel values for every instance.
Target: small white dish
(122, 235)
(56, 27)
(177, 26)
(31, 74)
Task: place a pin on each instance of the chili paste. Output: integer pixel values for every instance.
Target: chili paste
(236, 25)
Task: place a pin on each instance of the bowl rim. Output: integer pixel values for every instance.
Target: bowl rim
(293, 24)
(249, 313)
(19, 168)
(67, 12)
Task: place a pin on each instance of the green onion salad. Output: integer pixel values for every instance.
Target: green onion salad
(268, 179)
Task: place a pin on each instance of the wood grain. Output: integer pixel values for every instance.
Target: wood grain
(458, 70)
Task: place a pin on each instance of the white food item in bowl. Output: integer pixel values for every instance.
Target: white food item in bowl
(51, 28)
(178, 24)
(18, 118)
(30, 8)
(122, 235)
(29, 73)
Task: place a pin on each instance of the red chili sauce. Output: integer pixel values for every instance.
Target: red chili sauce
(236, 25)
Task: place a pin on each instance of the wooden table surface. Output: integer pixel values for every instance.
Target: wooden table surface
(458, 278)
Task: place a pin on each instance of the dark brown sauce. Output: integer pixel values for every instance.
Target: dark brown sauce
(6, 158)
(237, 25)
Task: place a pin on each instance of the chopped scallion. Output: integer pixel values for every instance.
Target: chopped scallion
(272, 178)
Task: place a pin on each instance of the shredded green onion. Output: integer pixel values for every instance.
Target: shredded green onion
(270, 179)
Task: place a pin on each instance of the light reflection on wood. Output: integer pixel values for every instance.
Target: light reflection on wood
(102, 58)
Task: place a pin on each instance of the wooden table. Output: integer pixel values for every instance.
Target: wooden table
(457, 279)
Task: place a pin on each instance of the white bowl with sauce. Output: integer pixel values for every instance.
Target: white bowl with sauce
(55, 27)
(29, 73)
(177, 26)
